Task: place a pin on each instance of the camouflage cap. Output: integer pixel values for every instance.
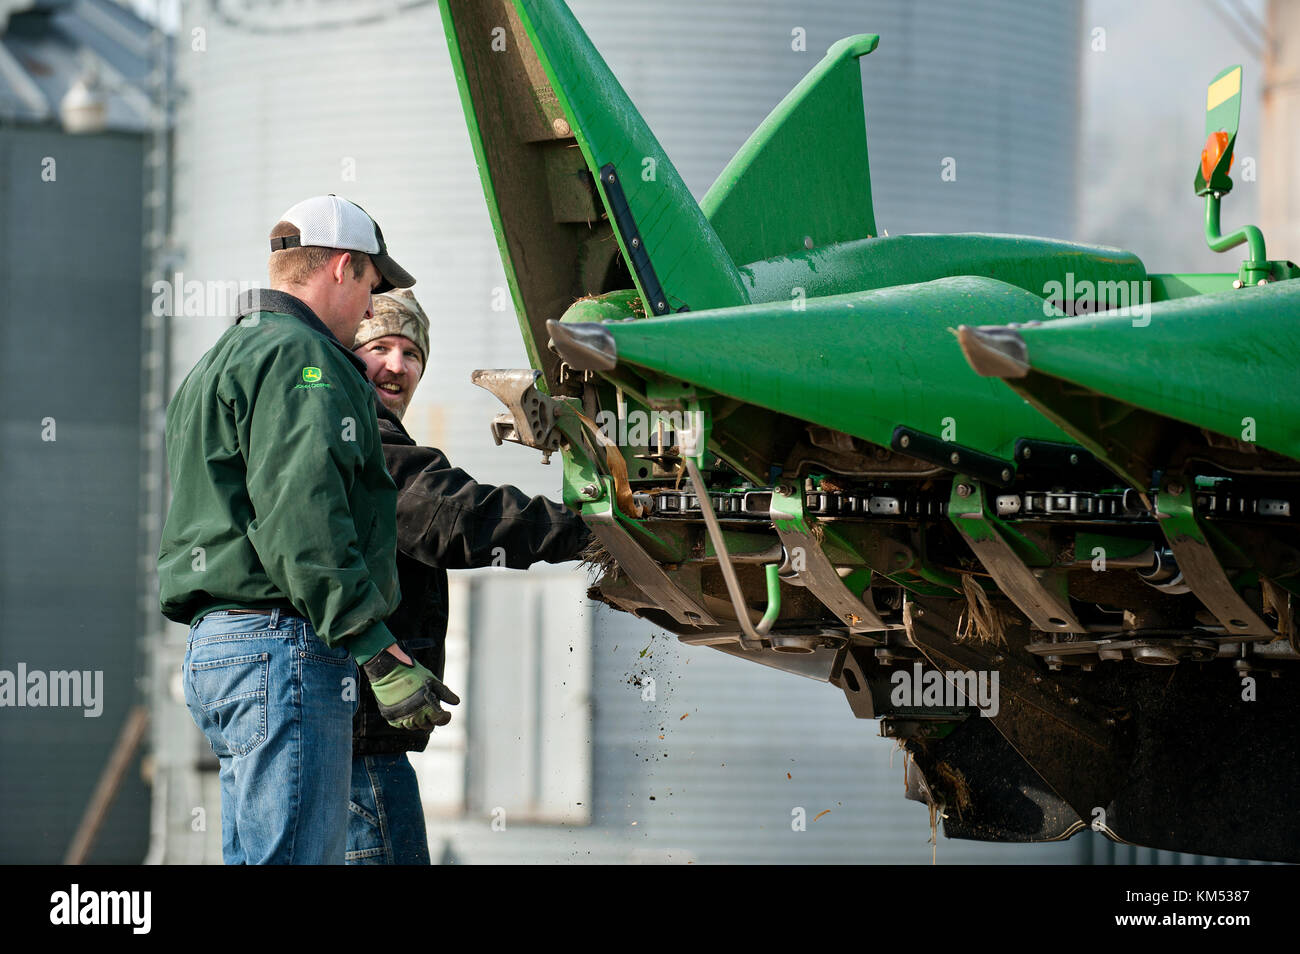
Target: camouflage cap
(396, 313)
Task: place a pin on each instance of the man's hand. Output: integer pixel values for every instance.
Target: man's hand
(409, 697)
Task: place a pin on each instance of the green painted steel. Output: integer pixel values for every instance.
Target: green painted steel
(863, 363)
(689, 259)
(1185, 285)
(1225, 362)
(1222, 115)
(1021, 260)
(479, 135)
(802, 179)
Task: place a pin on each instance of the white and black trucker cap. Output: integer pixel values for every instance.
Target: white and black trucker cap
(333, 222)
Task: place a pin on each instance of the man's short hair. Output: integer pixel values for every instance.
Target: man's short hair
(295, 266)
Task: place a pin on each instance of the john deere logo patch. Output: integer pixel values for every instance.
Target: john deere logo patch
(311, 378)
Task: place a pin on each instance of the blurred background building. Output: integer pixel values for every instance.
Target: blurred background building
(77, 131)
(1060, 118)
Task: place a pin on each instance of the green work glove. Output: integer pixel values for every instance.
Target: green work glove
(409, 697)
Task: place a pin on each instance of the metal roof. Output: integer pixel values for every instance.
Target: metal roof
(48, 45)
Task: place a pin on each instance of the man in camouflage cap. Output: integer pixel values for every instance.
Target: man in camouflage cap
(394, 343)
(445, 520)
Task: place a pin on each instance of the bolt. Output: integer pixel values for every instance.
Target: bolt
(1088, 667)
(963, 490)
(1236, 283)
(918, 612)
(807, 241)
(1175, 488)
(661, 305)
(904, 441)
(955, 458)
(1074, 458)
(997, 659)
(1024, 455)
(1262, 281)
(785, 490)
(1073, 700)
(1035, 679)
(610, 177)
(636, 243)
(591, 492)
(1006, 473)
(561, 127)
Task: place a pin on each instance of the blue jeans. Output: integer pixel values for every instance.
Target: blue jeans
(385, 817)
(276, 704)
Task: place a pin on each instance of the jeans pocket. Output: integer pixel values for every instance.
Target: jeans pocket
(232, 693)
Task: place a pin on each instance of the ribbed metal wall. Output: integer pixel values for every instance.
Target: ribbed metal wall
(69, 465)
(273, 116)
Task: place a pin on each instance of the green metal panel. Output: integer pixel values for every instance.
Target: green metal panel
(1165, 287)
(863, 363)
(1224, 362)
(803, 176)
(1021, 260)
(689, 259)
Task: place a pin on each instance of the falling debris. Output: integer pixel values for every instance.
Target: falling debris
(824, 811)
(684, 715)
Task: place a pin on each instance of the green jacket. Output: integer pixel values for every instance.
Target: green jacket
(280, 495)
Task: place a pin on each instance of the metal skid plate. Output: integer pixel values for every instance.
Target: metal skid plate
(968, 509)
(639, 565)
(816, 571)
(1201, 569)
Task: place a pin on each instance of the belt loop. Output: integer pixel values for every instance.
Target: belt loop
(275, 618)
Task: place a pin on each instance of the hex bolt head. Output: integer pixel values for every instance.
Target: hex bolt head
(904, 441)
(963, 490)
(591, 492)
(1006, 473)
(955, 458)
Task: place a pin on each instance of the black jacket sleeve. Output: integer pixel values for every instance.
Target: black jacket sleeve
(447, 519)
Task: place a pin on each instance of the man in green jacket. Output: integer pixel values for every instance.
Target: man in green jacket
(279, 547)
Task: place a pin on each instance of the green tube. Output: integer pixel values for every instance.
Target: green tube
(773, 598)
(1221, 243)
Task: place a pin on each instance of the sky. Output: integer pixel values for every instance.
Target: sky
(1143, 127)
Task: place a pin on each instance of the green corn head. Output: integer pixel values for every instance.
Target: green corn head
(916, 464)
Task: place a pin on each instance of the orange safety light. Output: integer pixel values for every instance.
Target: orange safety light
(1215, 143)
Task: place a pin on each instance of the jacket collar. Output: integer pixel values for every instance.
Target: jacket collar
(268, 299)
(388, 421)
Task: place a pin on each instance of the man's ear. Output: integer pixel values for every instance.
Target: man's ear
(339, 267)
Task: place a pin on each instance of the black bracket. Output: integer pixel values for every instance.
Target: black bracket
(955, 457)
(632, 241)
